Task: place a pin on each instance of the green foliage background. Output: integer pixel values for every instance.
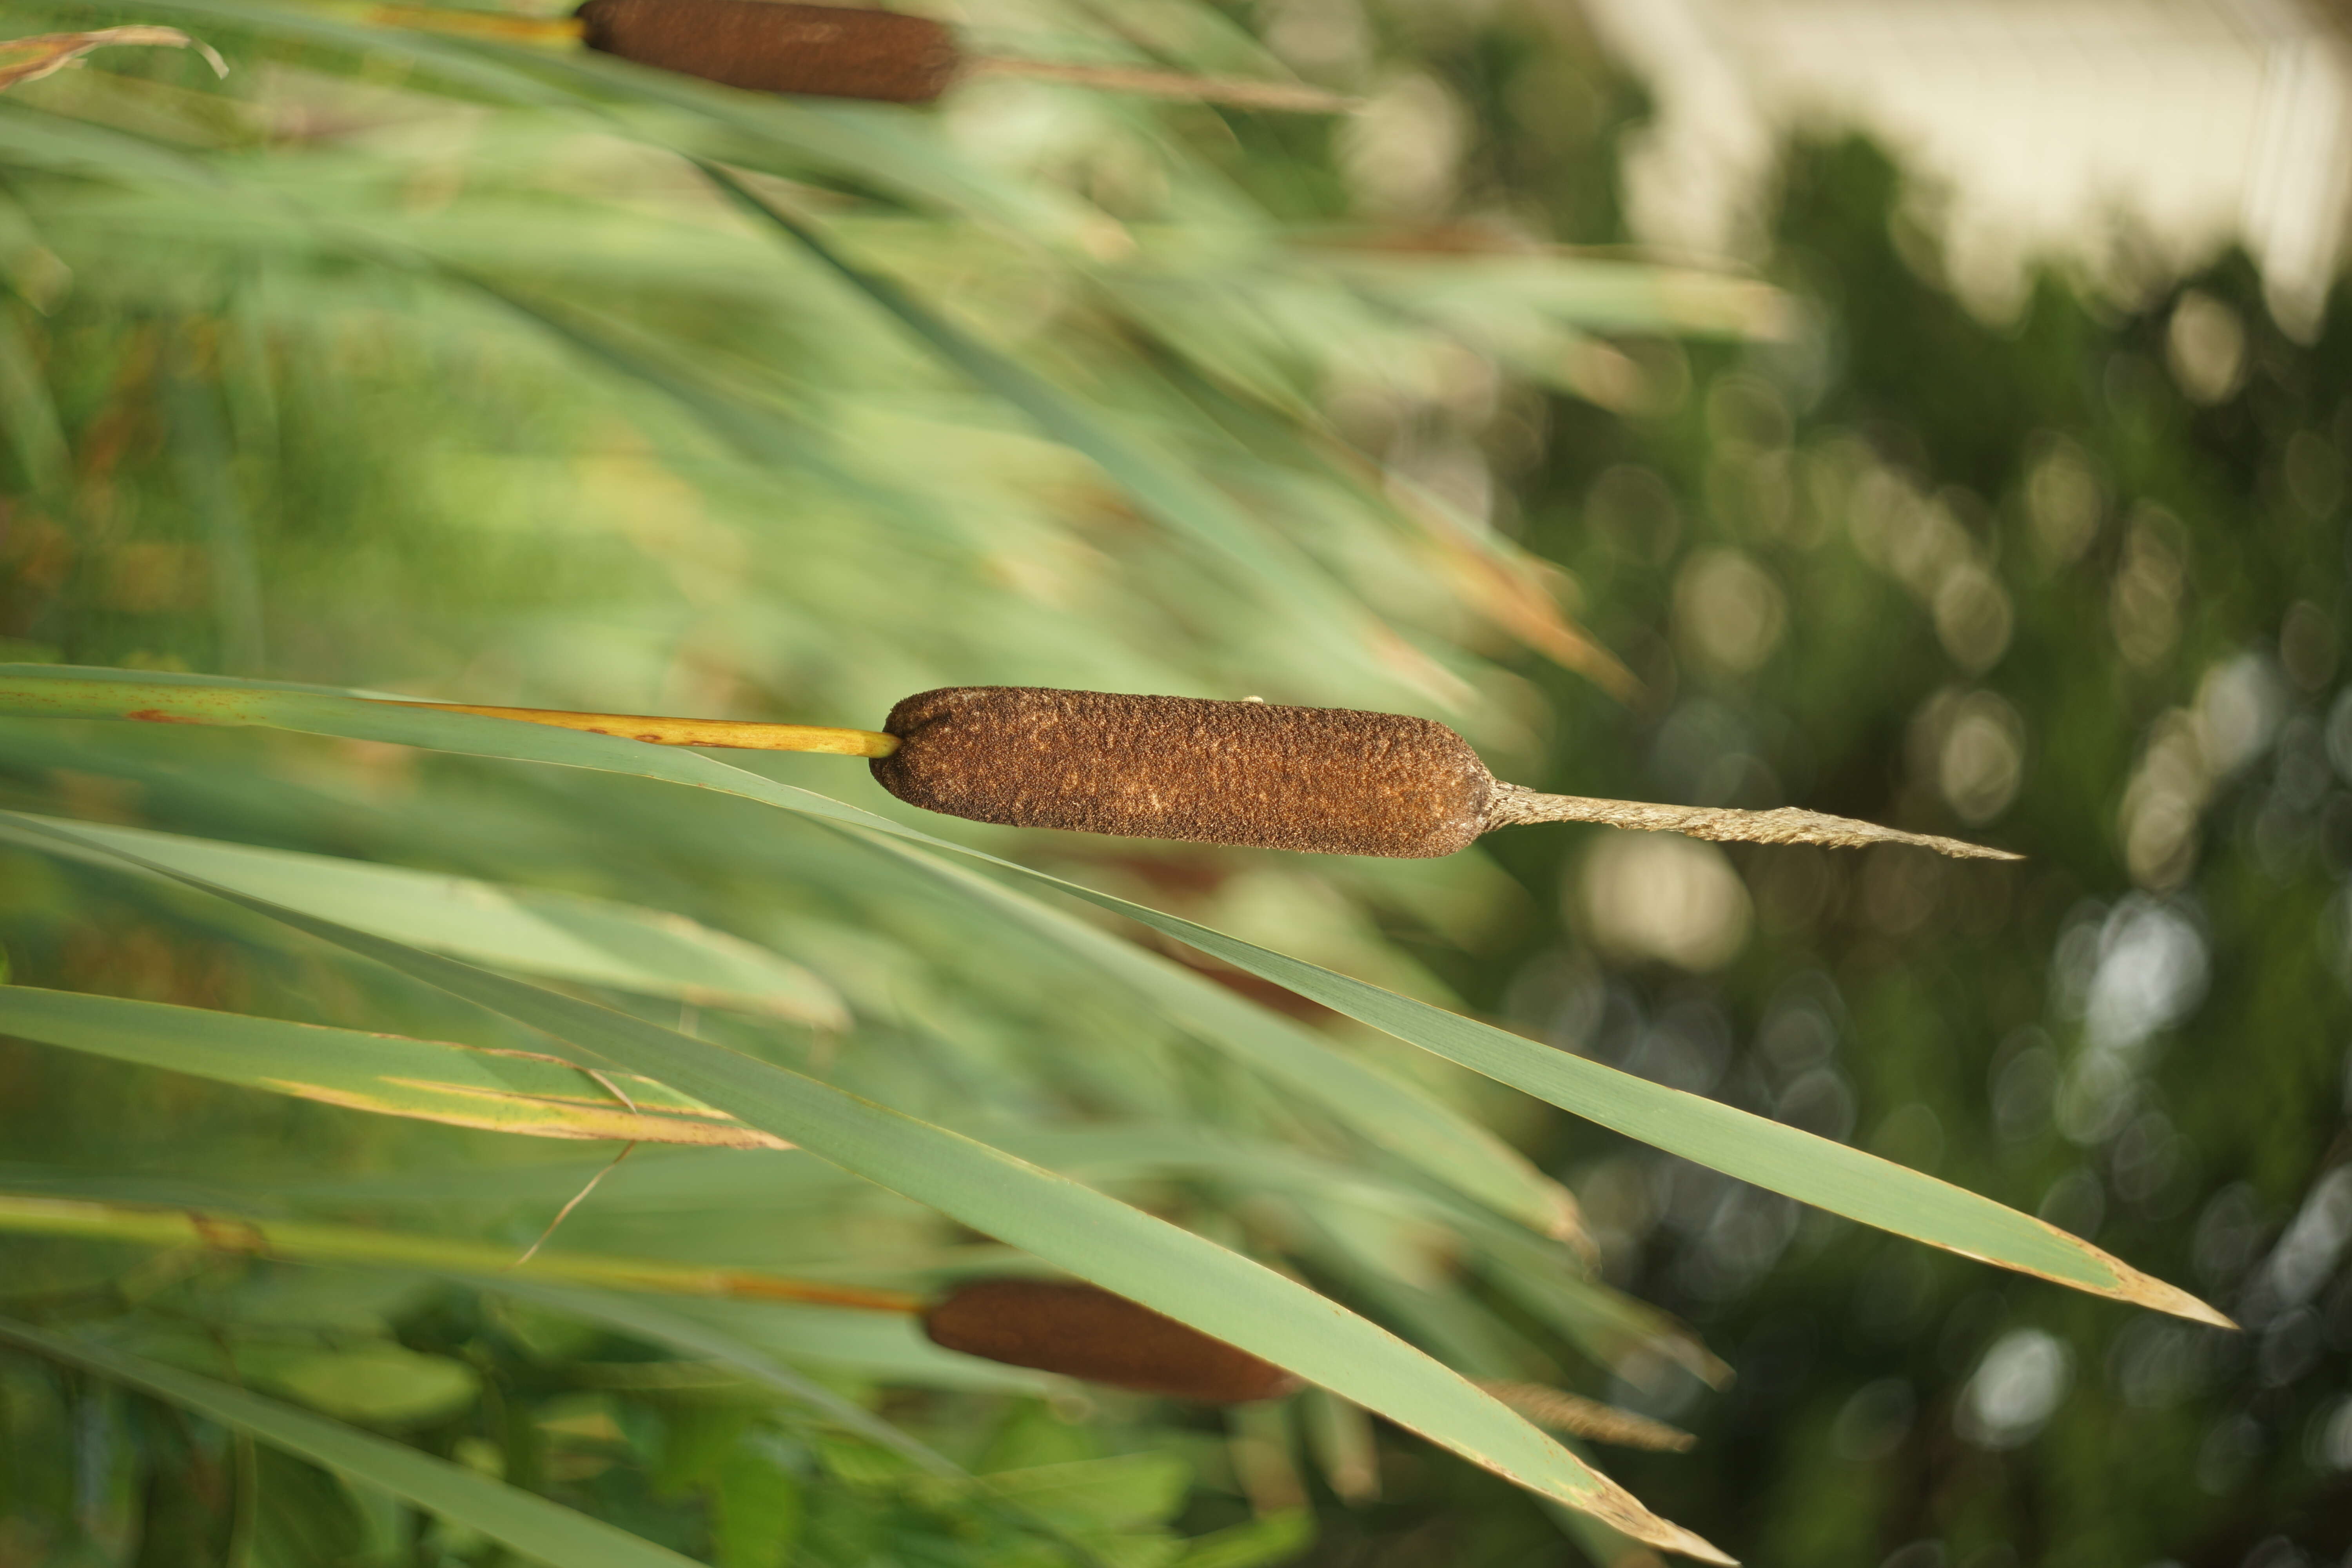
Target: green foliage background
(433, 367)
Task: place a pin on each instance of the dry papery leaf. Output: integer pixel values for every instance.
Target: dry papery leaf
(30, 59)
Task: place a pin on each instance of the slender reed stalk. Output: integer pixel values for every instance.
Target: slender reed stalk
(1235, 93)
(1587, 1418)
(552, 32)
(742, 735)
(303, 1242)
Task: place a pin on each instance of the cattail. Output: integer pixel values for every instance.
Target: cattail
(833, 51)
(1331, 781)
(769, 46)
(1327, 781)
(1083, 1332)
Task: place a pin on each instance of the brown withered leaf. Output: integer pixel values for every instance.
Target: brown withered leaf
(30, 59)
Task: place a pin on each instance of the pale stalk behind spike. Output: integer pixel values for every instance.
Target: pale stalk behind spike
(1280, 97)
(1587, 1418)
(1511, 805)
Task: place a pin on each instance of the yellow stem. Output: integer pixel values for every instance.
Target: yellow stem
(740, 735)
(297, 1242)
(478, 24)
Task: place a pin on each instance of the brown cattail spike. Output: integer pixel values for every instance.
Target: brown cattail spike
(833, 51)
(1081, 1331)
(1329, 780)
(767, 46)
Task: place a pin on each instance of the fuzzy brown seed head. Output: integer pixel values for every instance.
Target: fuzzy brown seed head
(767, 46)
(1331, 781)
(1081, 1331)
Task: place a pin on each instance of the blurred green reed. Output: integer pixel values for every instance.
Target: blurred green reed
(429, 365)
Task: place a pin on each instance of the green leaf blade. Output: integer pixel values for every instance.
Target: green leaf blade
(564, 936)
(391, 1075)
(1813, 1170)
(1073, 1226)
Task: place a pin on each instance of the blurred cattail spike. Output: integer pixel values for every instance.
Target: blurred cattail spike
(767, 46)
(1081, 1331)
(1587, 1418)
(833, 51)
(1327, 781)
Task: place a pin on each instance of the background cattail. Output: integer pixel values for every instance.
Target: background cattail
(767, 46)
(1090, 1333)
(1085, 1332)
(1327, 779)
(834, 51)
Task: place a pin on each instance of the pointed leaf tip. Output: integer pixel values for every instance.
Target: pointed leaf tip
(2149, 1292)
(1624, 1512)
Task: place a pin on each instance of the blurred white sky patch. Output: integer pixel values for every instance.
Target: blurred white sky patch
(2015, 1391)
(1657, 896)
(2128, 972)
(2055, 126)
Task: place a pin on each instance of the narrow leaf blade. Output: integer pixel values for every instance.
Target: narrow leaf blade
(392, 1074)
(1078, 1229)
(564, 936)
(1813, 1170)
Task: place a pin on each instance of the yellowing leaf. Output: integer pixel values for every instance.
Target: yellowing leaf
(44, 53)
(428, 1081)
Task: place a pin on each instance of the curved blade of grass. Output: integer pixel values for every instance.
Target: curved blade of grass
(1074, 1228)
(1389, 1113)
(1813, 1170)
(519, 1519)
(392, 1074)
(564, 936)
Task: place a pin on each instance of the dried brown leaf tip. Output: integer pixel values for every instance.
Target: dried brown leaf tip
(1081, 1331)
(30, 59)
(1329, 780)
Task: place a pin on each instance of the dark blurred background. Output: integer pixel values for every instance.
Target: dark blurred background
(2034, 534)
